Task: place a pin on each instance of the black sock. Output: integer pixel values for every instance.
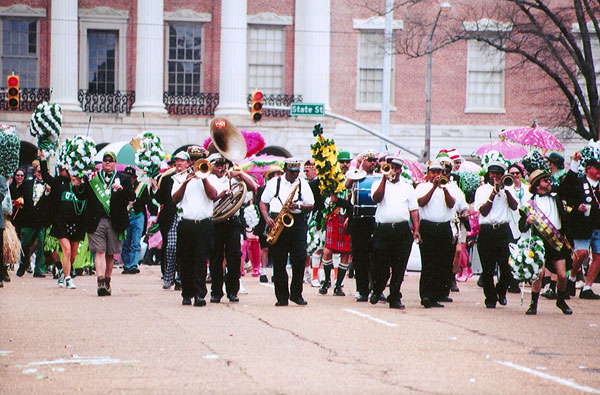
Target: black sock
(534, 297)
(342, 269)
(545, 280)
(553, 285)
(327, 266)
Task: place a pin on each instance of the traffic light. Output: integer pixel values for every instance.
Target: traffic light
(257, 105)
(13, 91)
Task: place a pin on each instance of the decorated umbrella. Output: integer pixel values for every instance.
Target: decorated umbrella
(258, 165)
(506, 148)
(417, 169)
(124, 150)
(470, 167)
(533, 137)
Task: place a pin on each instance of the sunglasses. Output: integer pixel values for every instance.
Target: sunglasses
(108, 160)
(372, 159)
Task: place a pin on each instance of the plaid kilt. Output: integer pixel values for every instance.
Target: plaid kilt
(336, 238)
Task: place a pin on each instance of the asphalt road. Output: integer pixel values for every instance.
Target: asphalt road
(142, 340)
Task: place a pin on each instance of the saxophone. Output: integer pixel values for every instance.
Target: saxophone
(284, 218)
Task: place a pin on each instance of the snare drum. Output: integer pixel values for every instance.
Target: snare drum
(361, 197)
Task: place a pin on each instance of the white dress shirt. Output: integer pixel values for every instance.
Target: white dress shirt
(285, 189)
(436, 209)
(398, 200)
(500, 212)
(195, 204)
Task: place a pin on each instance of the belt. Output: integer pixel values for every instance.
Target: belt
(392, 225)
(196, 221)
(435, 223)
(494, 226)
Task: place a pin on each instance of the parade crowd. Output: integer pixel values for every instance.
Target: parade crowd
(365, 230)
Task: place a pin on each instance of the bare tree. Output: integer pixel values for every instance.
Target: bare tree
(558, 37)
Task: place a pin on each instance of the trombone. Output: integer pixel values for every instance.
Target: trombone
(202, 168)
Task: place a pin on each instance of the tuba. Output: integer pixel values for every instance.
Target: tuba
(231, 203)
(283, 219)
(227, 140)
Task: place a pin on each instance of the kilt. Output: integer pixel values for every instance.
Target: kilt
(336, 238)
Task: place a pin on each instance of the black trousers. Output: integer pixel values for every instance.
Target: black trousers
(437, 253)
(362, 249)
(292, 242)
(492, 245)
(392, 244)
(227, 245)
(194, 242)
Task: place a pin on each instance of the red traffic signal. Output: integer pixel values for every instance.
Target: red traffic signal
(13, 91)
(257, 105)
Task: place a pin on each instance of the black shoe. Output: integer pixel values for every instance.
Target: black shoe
(20, 271)
(186, 301)
(233, 298)
(299, 301)
(337, 291)
(263, 278)
(198, 301)
(513, 288)
(571, 290)
(490, 305)
(588, 294)
(362, 298)
(397, 304)
(39, 275)
(135, 270)
(549, 294)
(281, 303)
(453, 286)
(373, 299)
(445, 299)
(562, 305)
(324, 287)
(382, 297)
(532, 310)
(215, 299)
(480, 282)
(6, 278)
(502, 300)
(127, 271)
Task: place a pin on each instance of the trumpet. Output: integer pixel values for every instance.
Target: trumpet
(202, 168)
(443, 181)
(388, 171)
(507, 180)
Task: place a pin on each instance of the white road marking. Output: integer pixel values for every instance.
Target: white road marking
(559, 380)
(211, 356)
(80, 360)
(370, 317)
(267, 285)
(5, 353)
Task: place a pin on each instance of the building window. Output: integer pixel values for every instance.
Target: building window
(102, 48)
(370, 70)
(20, 50)
(266, 59)
(485, 78)
(184, 63)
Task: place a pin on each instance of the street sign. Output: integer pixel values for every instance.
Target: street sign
(297, 109)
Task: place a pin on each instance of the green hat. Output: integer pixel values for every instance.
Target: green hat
(344, 155)
(111, 154)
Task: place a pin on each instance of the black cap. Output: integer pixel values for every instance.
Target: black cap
(557, 159)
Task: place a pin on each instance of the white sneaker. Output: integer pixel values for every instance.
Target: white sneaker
(61, 279)
(307, 276)
(315, 283)
(70, 283)
(242, 291)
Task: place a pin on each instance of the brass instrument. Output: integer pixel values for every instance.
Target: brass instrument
(388, 171)
(202, 168)
(507, 180)
(227, 140)
(284, 218)
(443, 181)
(231, 203)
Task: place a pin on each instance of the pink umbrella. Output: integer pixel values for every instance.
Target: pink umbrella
(506, 148)
(416, 168)
(533, 137)
(469, 166)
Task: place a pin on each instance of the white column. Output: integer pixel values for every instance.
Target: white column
(312, 53)
(63, 54)
(149, 68)
(232, 76)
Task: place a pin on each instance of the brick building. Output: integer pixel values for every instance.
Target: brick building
(169, 66)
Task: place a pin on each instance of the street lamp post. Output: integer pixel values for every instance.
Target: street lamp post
(427, 152)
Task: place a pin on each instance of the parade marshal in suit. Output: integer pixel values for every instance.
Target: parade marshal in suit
(108, 194)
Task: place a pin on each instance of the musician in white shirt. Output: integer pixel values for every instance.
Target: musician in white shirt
(551, 210)
(292, 240)
(227, 232)
(437, 206)
(393, 237)
(495, 204)
(194, 234)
